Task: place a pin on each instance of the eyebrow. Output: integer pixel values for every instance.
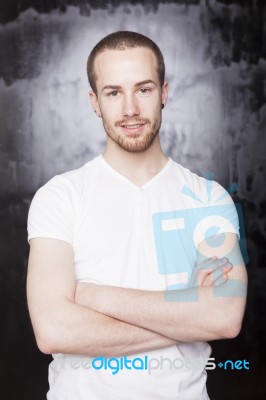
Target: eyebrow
(145, 82)
(138, 84)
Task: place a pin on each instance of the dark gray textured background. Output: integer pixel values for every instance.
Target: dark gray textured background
(214, 123)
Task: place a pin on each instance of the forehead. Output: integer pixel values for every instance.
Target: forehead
(114, 67)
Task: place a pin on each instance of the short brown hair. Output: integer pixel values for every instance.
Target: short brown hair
(120, 41)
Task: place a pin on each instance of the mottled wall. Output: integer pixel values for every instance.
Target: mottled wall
(214, 122)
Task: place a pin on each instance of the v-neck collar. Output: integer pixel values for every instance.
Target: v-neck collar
(128, 181)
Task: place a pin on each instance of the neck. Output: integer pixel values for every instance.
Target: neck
(137, 167)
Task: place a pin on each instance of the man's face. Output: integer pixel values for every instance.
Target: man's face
(129, 97)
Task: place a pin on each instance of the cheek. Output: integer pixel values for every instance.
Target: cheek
(111, 116)
(152, 103)
(108, 110)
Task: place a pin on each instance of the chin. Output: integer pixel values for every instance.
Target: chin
(136, 146)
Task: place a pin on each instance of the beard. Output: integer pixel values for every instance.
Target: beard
(137, 143)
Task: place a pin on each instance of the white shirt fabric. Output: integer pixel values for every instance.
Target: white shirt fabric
(133, 237)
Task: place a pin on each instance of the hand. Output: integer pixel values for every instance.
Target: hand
(211, 272)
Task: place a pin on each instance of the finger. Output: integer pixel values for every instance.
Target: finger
(213, 263)
(208, 277)
(207, 280)
(199, 275)
(215, 279)
(222, 279)
(203, 273)
(207, 261)
(222, 263)
(202, 270)
(218, 274)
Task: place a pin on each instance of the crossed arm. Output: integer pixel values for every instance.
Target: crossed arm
(91, 319)
(199, 313)
(60, 325)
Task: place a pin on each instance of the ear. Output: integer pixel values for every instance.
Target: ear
(94, 103)
(164, 93)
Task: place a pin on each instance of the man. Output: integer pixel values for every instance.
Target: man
(114, 270)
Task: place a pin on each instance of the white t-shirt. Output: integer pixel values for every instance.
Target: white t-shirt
(143, 238)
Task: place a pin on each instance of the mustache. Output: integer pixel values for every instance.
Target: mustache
(132, 121)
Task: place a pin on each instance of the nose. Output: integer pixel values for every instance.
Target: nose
(130, 106)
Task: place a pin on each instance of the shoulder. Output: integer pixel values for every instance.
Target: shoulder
(198, 188)
(68, 184)
(55, 205)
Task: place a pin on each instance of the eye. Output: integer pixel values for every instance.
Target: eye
(145, 91)
(114, 93)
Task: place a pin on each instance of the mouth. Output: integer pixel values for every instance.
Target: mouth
(132, 126)
(133, 130)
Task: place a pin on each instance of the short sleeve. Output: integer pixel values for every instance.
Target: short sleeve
(51, 213)
(218, 215)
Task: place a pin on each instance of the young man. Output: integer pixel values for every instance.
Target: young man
(122, 258)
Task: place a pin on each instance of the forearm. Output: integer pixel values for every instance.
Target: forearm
(60, 325)
(192, 314)
(79, 330)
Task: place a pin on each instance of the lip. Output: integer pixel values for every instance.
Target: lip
(133, 128)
